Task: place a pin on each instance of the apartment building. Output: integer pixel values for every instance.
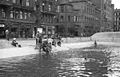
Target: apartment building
(46, 11)
(78, 18)
(116, 20)
(18, 17)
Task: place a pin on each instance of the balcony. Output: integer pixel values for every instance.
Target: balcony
(23, 7)
(18, 20)
(48, 12)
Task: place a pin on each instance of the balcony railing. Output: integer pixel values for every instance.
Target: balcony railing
(18, 20)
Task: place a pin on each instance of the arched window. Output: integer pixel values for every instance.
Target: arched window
(3, 13)
(11, 14)
(25, 15)
(21, 15)
(14, 1)
(27, 2)
(43, 7)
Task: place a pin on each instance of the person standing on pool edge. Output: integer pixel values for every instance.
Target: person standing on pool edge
(7, 34)
(38, 40)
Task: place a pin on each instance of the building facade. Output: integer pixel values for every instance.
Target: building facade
(46, 11)
(64, 18)
(18, 17)
(117, 20)
(78, 18)
(107, 14)
(88, 17)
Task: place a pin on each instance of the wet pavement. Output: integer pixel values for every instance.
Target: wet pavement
(87, 62)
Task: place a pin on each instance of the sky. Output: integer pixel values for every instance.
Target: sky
(116, 3)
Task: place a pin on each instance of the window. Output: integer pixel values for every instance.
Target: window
(16, 15)
(3, 13)
(49, 6)
(21, 15)
(29, 15)
(25, 15)
(21, 2)
(68, 18)
(43, 7)
(14, 1)
(62, 8)
(27, 3)
(61, 18)
(74, 18)
(35, 8)
(11, 14)
(58, 8)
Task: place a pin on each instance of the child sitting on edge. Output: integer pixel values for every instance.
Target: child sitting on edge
(15, 43)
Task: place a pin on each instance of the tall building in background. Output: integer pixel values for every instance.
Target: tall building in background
(64, 18)
(78, 18)
(18, 17)
(46, 11)
(117, 20)
(107, 14)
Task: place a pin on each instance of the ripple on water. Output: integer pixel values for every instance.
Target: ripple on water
(61, 64)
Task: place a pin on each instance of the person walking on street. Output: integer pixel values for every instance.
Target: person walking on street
(40, 42)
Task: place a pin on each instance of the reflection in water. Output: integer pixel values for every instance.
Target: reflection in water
(62, 64)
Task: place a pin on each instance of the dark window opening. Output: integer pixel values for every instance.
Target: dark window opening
(21, 2)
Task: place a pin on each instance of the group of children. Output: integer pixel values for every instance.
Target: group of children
(42, 41)
(45, 42)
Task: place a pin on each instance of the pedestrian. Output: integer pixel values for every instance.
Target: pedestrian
(15, 43)
(38, 40)
(7, 34)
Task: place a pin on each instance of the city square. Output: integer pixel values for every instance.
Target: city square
(59, 38)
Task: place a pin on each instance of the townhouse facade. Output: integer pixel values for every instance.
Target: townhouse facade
(117, 20)
(107, 14)
(78, 18)
(23, 18)
(18, 17)
(46, 11)
(89, 17)
(64, 18)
